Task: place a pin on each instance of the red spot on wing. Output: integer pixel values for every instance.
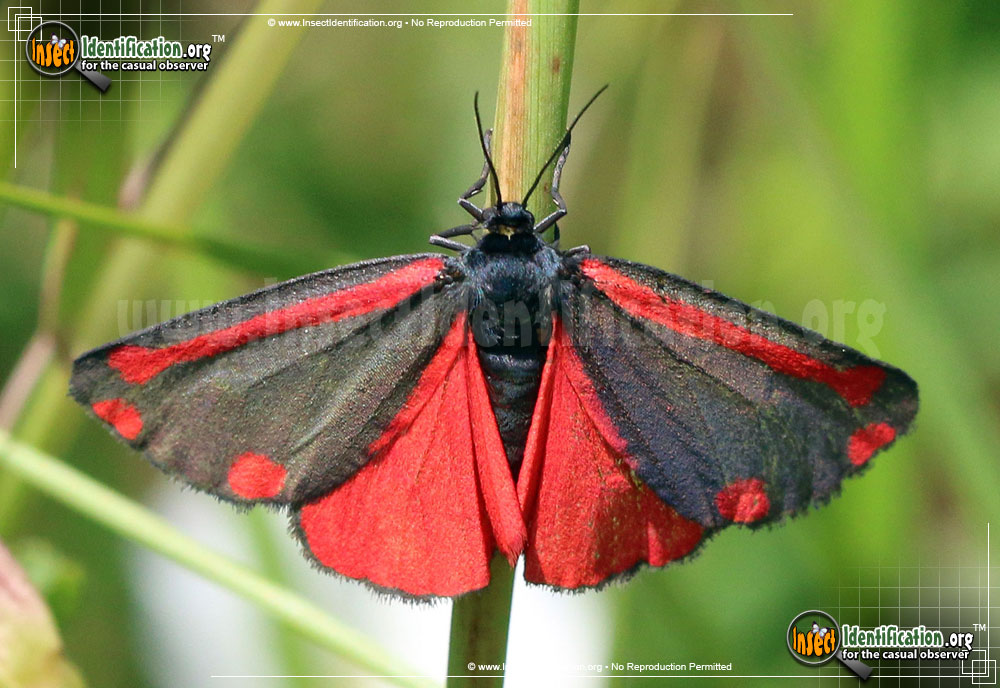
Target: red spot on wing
(866, 441)
(743, 501)
(123, 417)
(425, 514)
(139, 364)
(856, 385)
(589, 517)
(255, 476)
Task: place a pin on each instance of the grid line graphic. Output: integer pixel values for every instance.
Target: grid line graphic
(946, 593)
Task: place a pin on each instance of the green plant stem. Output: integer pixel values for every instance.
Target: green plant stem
(531, 117)
(533, 97)
(479, 623)
(267, 261)
(129, 519)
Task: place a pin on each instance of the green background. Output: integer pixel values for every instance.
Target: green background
(844, 160)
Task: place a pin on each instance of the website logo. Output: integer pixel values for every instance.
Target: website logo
(54, 49)
(813, 639)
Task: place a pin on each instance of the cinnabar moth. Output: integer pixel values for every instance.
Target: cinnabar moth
(416, 414)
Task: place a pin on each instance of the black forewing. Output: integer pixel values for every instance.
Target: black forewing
(703, 422)
(311, 399)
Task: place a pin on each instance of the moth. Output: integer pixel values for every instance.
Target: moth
(419, 413)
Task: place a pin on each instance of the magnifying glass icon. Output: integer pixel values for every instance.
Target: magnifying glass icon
(60, 54)
(860, 669)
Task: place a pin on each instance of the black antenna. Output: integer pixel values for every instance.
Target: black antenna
(562, 144)
(482, 142)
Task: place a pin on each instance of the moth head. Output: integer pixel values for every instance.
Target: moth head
(508, 218)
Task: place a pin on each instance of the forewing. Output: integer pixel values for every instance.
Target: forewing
(728, 413)
(276, 395)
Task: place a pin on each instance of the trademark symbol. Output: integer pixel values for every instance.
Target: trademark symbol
(217, 38)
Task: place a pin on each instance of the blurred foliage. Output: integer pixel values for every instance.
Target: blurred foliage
(58, 578)
(31, 652)
(811, 163)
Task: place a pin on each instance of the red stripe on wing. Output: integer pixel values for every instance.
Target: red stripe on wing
(139, 364)
(424, 515)
(856, 385)
(589, 516)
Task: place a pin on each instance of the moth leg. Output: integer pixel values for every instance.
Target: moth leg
(442, 238)
(461, 230)
(557, 198)
(478, 185)
(438, 240)
(577, 249)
